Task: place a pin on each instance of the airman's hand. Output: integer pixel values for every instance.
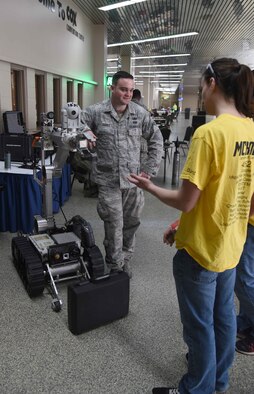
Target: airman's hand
(91, 139)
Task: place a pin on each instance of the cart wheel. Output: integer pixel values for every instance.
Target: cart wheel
(56, 305)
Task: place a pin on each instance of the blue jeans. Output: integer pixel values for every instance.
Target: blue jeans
(206, 302)
(244, 286)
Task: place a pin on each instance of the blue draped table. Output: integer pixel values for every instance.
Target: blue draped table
(21, 198)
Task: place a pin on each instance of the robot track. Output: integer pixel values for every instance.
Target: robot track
(28, 265)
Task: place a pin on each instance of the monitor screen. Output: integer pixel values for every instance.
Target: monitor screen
(19, 146)
(13, 122)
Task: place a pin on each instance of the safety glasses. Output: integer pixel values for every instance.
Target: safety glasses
(210, 68)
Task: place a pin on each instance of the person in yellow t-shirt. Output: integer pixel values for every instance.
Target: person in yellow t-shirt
(216, 199)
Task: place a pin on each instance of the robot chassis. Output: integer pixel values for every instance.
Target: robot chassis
(51, 255)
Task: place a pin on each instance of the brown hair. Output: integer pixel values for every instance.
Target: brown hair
(136, 94)
(235, 80)
(121, 74)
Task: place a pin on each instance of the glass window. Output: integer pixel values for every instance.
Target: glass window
(57, 100)
(39, 97)
(17, 90)
(69, 91)
(80, 95)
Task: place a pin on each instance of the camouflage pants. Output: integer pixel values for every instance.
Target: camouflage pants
(120, 210)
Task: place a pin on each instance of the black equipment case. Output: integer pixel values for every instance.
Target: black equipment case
(92, 304)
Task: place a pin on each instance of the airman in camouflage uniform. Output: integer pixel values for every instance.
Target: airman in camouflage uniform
(118, 125)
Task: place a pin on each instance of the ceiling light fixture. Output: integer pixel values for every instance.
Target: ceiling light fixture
(165, 78)
(193, 33)
(119, 5)
(162, 65)
(160, 56)
(113, 59)
(168, 80)
(163, 72)
(169, 91)
(171, 79)
(175, 78)
(158, 75)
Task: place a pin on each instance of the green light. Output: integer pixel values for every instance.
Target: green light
(86, 78)
(90, 82)
(109, 80)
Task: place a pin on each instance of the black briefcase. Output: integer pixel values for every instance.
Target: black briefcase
(92, 304)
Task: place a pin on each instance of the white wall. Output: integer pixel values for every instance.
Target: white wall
(36, 37)
(49, 92)
(5, 83)
(30, 97)
(100, 60)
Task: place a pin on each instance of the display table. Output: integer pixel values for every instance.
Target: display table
(21, 198)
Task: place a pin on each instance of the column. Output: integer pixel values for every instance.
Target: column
(49, 92)
(156, 96)
(100, 61)
(30, 99)
(146, 92)
(126, 63)
(5, 92)
(151, 95)
(63, 90)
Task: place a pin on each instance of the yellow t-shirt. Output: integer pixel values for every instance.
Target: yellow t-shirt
(221, 164)
(251, 220)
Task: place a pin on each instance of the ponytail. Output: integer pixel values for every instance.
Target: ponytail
(235, 81)
(243, 92)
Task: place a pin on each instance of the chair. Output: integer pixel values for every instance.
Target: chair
(166, 132)
(198, 120)
(185, 143)
(169, 120)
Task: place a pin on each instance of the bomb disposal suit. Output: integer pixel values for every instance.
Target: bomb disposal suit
(118, 148)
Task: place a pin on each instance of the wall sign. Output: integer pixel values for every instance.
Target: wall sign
(65, 13)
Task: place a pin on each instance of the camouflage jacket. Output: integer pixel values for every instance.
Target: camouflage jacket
(118, 144)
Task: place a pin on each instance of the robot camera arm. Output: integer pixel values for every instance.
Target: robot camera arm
(73, 136)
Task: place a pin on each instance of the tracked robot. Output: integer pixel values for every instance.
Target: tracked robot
(51, 255)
